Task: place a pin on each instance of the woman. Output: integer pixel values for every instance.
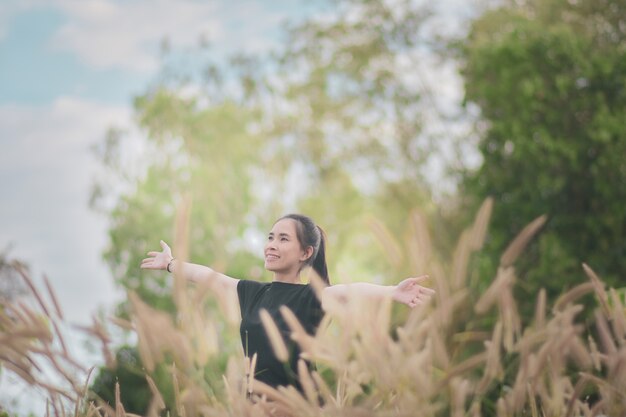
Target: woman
(294, 243)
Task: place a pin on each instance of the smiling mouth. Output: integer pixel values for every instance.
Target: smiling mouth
(271, 257)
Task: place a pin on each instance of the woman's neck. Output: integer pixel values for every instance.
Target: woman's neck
(289, 278)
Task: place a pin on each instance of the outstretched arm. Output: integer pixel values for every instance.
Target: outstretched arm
(407, 292)
(195, 273)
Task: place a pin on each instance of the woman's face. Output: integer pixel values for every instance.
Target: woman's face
(283, 252)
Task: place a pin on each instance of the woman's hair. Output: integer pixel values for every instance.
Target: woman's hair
(309, 234)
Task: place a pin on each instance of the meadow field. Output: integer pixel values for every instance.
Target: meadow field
(462, 354)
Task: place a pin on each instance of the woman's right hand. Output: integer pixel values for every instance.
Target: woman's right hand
(158, 260)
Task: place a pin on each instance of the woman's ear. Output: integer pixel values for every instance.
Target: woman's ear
(307, 253)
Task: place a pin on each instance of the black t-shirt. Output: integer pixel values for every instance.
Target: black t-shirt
(301, 300)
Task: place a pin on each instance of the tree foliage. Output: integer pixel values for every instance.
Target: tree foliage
(205, 154)
(549, 78)
(330, 126)
(134, 389)
(333, 125)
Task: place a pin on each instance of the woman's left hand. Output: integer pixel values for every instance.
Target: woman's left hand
(409, 292)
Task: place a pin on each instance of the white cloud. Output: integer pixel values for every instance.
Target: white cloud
(115, 34)
(46, 169)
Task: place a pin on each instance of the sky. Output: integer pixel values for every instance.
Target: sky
(69, 70)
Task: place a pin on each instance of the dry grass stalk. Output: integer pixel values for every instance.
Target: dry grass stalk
(423, 366)
(618, 314)
(575, 395)
(306, 380)
(598, 285)
(83, 393)
(444, 314)
(419, 243)
(119, 407)
(510, 318)
(388, 242)
(32, 288)
(580, 354)
(280, 350)
(470, 241)
(596, 356)
(606, 338)
(227, 301)
(493, 367)
(98, 330)
(298, 333)
(573, 295)
(517, 246)
(460, 390)
(481, 223)
(105, 409)
(462, 368)
(441, 357)
(124, 324)
(181, 249)
(540, 310)
(52, 295)
(504, 280)
(158, 335)
(460, 261)
(157, 404)
(531, 399)
(323, 390)
(180, 409)
(51, 402)
(32, 338)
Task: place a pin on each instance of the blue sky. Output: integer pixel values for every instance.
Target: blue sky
(69, 69)
(108, 50)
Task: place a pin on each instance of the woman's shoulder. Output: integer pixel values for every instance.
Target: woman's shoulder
(247, 286)
(250, 283)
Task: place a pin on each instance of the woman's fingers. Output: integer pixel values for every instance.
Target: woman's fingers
(420, 289)
(420, 298)
(150, 264)
(428, 291)
(157, 260)
(419, 279)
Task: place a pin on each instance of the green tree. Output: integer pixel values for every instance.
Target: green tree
(352, 106)
(206, 154)
(331, 126)
(202, 154)
(134, 389)
(549, 78)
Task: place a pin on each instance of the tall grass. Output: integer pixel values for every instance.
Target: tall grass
(437, 362)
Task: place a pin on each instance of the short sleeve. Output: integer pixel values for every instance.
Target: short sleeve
(247, 291)
(314, 309)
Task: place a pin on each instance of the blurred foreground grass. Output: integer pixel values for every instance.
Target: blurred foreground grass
(464, 354)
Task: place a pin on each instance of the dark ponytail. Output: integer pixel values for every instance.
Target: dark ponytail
(319, 263)
(309, 234)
